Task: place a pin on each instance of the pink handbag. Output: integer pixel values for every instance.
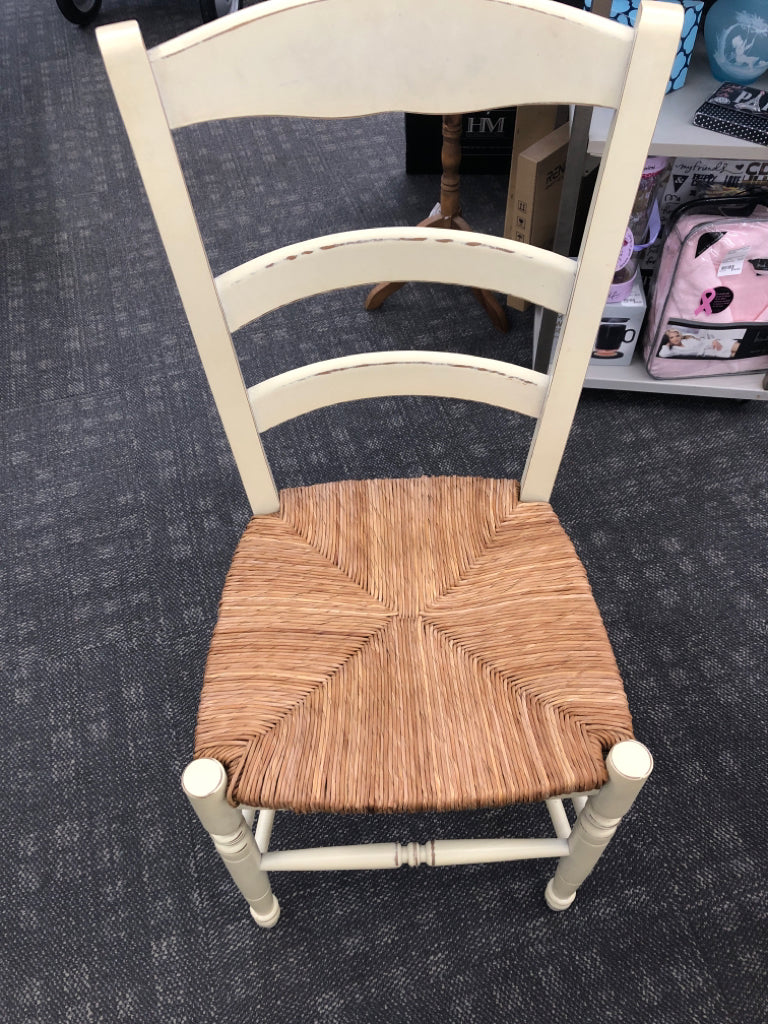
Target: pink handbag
(709, 310)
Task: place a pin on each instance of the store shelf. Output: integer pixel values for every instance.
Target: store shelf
(635, 377)
(675, 135)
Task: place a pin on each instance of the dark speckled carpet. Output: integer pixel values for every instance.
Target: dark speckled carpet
(121, 509)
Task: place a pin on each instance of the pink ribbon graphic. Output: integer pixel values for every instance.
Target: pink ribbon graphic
(706, 302)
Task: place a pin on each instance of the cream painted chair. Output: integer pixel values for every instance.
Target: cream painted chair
(418, 644)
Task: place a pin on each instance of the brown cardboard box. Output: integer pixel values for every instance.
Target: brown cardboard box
(536, 198)
(531, 124)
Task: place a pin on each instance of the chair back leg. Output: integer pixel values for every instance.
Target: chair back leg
(205, 783)
(629, 765)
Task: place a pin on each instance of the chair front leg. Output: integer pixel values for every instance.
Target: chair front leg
(205, 783)
(629, 764)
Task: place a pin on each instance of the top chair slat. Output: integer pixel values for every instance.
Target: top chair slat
(297, 57)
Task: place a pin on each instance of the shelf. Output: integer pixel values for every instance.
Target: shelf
(675, 135)
(635, 377)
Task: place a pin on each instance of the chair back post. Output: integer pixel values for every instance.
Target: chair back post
(140, 105)
(657, 30)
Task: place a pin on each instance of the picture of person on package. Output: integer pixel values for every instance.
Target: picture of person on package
(698, 345)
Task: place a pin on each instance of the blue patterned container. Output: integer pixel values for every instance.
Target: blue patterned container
(625, 12)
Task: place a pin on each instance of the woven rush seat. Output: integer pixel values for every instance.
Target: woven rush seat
(408, 644)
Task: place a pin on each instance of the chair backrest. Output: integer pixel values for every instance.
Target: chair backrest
(343, 58)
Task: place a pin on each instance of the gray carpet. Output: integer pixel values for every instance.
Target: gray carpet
(121, 509)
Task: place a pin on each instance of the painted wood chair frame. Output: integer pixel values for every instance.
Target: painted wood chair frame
(393, 56)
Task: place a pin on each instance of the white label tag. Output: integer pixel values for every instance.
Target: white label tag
(733, 262)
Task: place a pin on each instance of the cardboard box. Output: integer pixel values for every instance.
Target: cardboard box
(539, 184)
(537, 190)
(531, 124)
(620, 328)
(619, 331)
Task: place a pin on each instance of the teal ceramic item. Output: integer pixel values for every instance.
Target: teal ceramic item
(736, 36)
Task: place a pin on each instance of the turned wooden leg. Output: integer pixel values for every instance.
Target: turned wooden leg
(449, 216)
(450, 158)
(492, 307)
(205, 783)
(381, 292)
(629, 765)
(378, 295)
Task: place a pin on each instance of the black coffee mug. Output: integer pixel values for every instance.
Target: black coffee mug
(611, 335)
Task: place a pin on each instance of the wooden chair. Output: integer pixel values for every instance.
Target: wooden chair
(410, 644)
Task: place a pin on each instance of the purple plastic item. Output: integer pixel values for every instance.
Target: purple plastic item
(643, 229)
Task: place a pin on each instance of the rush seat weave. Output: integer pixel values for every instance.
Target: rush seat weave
(405, 645)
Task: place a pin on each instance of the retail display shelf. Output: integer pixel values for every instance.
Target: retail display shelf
(635, 377)
(675, 134)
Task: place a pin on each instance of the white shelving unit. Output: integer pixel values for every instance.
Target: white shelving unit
(635, 377)
(676, 136)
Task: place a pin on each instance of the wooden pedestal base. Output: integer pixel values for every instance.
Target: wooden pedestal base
(449, 216)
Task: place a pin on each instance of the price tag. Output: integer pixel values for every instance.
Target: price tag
(733, 262)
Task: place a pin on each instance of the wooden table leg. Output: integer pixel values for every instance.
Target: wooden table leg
(448, 217)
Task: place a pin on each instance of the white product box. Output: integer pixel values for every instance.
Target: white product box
(619, 329)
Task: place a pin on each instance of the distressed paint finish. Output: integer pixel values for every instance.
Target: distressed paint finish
(376, 375)
(422, 254)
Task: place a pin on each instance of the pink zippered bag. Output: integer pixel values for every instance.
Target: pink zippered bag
(709, 310)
